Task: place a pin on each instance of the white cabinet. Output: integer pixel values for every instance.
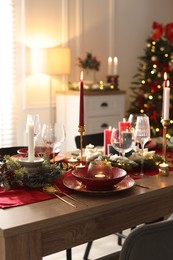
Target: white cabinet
(101, 110)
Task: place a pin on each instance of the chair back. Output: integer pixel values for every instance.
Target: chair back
(9, 150)
(95, 139)
(149, 242)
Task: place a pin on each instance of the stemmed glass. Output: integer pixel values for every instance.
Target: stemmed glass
(132, 119)
(53, 136)
(142, 135)
(122, 141)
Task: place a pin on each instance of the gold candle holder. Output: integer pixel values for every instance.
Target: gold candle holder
(81, 130)
(165, 124)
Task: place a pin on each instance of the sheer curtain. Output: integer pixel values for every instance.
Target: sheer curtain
(7, 74)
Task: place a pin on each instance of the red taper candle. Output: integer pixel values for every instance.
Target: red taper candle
(81, 104)
(107, 139)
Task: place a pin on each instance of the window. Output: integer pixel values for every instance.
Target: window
(7, 74)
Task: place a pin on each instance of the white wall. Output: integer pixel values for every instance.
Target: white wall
(105, 27)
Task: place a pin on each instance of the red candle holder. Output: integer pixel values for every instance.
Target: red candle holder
(113, 79)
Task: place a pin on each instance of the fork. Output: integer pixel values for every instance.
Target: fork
(70, 197)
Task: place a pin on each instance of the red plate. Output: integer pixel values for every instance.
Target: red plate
(72, 183)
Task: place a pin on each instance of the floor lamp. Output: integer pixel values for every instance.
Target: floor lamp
(51, 61)
(56, 62)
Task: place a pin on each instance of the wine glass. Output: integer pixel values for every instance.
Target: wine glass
(35, 119)
(122, 141)
(53, 136)
(142, 135)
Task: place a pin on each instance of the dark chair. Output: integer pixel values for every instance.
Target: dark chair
(151, 241)
(10, 150)
(95, 139)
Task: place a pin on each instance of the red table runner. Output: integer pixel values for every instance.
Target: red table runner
(22, 196)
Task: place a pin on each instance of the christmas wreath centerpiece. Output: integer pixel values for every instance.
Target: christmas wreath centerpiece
(13, 174)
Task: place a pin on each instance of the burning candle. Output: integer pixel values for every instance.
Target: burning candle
(31, 153)
(107, 139)
(72, 160)
(123, 125)
(115, 66)
(80, 166)
(166, 97)
(109, 66)
(163, 169)
(165, 79)
(81, 104)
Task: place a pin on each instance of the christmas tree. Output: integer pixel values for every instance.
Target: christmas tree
(147, 88)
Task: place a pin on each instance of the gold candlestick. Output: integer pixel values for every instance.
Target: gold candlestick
(81, 130)
(165, 124)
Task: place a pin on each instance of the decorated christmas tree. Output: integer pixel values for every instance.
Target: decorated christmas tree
(147, 87)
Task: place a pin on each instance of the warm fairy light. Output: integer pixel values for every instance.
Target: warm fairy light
(150, 97)
(157, 129)
(166, 55)
(143, 81)
(152, 72)
(158, 86)
(141, 111)
(153, 43)
(168, 136)
(154, 66)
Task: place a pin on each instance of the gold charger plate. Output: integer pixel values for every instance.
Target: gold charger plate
(72, 183)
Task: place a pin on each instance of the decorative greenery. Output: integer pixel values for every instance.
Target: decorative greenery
(147, 87)
(133, 162)
(13, 175)
(89, 62)
(100, 86)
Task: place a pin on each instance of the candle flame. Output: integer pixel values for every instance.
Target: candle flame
(115, 60)
(81, 75)
(110, 59)
(165, 76)
(168, 84)
(124, 120)
(110, 127)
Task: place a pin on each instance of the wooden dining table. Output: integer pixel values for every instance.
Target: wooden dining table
(32, 231)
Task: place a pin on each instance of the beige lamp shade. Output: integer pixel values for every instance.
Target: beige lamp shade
(50, 61)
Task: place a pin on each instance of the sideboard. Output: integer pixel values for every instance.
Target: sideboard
(101, 110)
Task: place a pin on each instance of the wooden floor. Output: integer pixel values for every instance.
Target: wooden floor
(100, 247)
